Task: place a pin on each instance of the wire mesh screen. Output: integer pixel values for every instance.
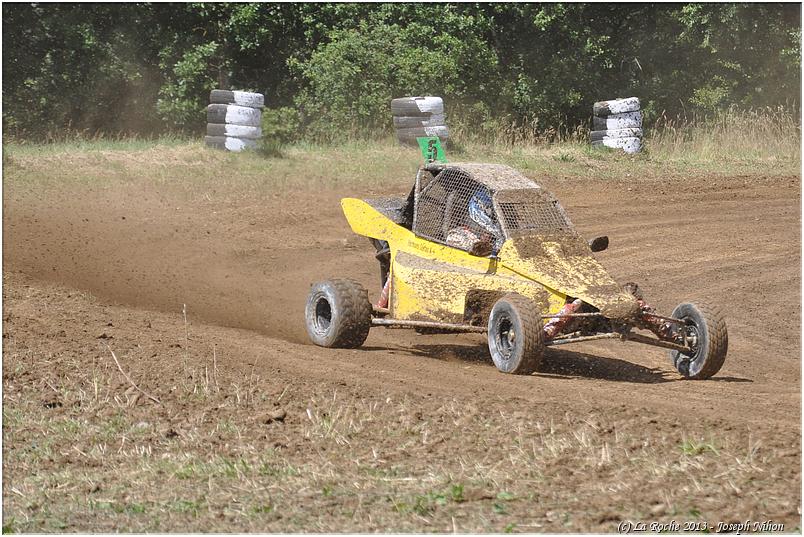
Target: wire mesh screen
(443, 204)
(531, 209)
(455, 207)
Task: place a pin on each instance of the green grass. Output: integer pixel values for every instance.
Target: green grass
(750, 143)
(694, 448)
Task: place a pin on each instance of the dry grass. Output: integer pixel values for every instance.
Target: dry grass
(763, 142)
(104, 467)
(83, 451)
(767, 135)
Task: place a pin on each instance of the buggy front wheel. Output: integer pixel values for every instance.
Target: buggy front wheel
(705, 330)
(515, 335)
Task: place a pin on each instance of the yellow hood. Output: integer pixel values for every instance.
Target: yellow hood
(564, 263)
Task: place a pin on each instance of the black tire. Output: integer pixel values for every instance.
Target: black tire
(338, 314)
(233, 114)
(238, 131)
(515, 336)
(408, 122)
(626, 120)
(597, 136)
(629, 145)
(417, 106)
(708, 326)
(240, 98)
(616, 106)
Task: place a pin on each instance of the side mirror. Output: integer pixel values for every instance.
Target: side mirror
(481, 248)
(599, 244)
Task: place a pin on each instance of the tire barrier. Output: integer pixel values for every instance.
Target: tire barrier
(230, 143)
(234, 120)
(240, 98)
(617, 124)
(628, 145)
(616, 133)
(419, 116)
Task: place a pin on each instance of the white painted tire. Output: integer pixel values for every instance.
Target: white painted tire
(627, 120)
(230, 143)
(596, 136)
(412, 122)
(234, 115)
(617, 106)
(417, 106)
(238, 131)
(240, 98)
(629, 145)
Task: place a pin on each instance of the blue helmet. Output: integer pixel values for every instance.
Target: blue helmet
(481, 211)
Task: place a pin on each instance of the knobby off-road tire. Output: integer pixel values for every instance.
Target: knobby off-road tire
(338, 314)
(409, 122)
(597, 136)
(616, 106)
(417, 106)
(707, 323)
(515, 335)
(626, 120)
(240, 98)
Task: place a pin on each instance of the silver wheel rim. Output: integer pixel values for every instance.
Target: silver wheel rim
(322, 316)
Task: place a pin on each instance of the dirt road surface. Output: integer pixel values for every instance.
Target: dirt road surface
(93, 268)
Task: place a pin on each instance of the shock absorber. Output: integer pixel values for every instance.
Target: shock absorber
(663, 329)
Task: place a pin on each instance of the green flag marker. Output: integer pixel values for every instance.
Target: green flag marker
(431, 149)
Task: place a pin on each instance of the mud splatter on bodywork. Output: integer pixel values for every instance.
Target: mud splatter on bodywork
(563, 262)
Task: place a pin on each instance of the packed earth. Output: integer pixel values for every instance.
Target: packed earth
(157, 375)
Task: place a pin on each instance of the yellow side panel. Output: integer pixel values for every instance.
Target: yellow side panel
(429, 290)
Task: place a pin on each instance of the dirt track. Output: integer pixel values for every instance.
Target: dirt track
(242, 265)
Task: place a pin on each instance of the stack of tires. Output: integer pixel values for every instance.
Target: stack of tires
(618, 124)
(233, 119)
(415, 117)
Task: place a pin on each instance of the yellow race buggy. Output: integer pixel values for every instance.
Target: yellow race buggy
(482, 248)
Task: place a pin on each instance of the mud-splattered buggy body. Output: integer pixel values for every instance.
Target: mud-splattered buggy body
(532, 282)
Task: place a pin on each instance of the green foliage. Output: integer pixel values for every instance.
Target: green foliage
(352, 78)
(456, 492)
(182, 99)
(280, 124)
(503, 69)
(693, 448)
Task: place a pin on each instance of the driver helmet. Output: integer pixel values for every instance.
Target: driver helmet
(481, 211)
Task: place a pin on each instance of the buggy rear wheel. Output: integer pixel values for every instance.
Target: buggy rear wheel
(515, 336)
(706, 329)
(338, 314)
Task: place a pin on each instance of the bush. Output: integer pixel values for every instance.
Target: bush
(280, 126)
(352, 78)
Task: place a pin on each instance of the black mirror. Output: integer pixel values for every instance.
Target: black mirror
(599, 244)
